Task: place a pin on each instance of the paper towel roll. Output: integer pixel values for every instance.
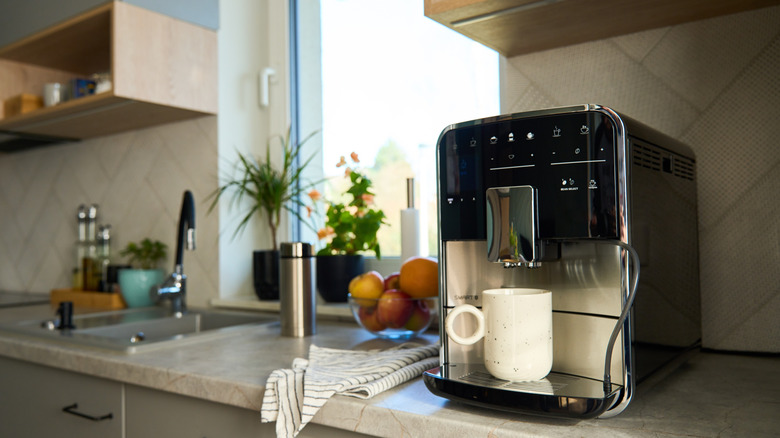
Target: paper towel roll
(410, 233)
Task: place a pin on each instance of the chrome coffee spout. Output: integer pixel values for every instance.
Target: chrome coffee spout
(513, 226)
(174, 288)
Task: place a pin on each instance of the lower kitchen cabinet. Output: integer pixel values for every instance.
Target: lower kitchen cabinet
(158, 414)
(153, 414)
(39, 401)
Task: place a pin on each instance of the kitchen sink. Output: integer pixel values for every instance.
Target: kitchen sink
(134, 330)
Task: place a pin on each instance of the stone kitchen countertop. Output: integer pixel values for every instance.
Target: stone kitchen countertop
(710, 395)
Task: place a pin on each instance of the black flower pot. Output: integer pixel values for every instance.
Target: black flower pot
(334, 273)
(265, 270)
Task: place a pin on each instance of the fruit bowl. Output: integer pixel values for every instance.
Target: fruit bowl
(394, 316)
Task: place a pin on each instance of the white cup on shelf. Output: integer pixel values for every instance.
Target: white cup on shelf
(52, 94)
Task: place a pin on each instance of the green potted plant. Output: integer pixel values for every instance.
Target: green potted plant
(145, 257)
(269, 191)
(350, 229)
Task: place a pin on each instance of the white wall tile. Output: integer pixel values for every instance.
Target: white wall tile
(740, 269)
(136, 178)
(601, 73)
(737, 140)
(532, 98)
(698, 60)
(638, 45)
(512, 83)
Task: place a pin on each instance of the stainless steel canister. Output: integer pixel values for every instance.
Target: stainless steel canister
(296, 289)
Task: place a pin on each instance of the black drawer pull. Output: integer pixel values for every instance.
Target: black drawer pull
(72, 410)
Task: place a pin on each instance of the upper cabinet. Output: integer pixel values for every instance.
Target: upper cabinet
(161, 69)
(516, 27)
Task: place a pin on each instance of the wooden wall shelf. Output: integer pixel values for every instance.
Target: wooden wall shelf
(516, 27)
(163, 70)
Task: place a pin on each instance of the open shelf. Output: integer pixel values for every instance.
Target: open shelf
(162, 70)
(80, 45)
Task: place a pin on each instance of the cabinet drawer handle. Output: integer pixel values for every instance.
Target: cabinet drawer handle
(72, 410)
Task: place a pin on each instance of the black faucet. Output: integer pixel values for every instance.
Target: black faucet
(174, 288)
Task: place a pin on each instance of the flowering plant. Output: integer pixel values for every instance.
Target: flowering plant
(351, 227)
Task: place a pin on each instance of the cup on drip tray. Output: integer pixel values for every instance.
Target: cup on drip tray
(516, 324)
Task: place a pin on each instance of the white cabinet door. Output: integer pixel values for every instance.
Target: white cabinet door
(33, 400)
(157, 414)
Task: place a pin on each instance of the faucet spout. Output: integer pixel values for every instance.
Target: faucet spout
(174, 288)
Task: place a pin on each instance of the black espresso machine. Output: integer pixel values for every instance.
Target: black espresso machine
(567, 200)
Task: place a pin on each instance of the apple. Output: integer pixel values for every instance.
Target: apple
(366, 288)
(394, 308)
(421, 316)
(393, 281)
(369, 320)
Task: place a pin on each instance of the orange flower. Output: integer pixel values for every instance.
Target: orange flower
(341, 162)
(347, 171)
(354, 157)
(367, 198)
(315, 195)
(325, 232)
(308, 211)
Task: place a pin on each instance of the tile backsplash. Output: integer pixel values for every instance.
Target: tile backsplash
(137, 179)
(712, 84)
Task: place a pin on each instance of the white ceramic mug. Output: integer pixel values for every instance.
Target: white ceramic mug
(517, 327)
(52, 94)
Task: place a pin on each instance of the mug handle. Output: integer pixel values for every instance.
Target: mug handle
(478, 333)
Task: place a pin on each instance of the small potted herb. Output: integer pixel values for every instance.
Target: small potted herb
(269, 191)
(350, 229)
(145, 257)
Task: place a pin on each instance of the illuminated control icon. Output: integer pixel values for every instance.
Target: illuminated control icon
(569, 182)
(511, 137)
(493, 140)
(557, 132)
(473, 142)
(511, 156)
(592, 184)
(584, 130)
(529, 136)
(577, 151)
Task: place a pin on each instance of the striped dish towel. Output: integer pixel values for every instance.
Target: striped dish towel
(293, 396)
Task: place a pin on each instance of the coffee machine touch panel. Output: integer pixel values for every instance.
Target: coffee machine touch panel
(556, 199)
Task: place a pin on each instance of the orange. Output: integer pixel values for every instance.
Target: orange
(420, 277)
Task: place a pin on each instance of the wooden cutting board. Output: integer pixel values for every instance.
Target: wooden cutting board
(93, 300)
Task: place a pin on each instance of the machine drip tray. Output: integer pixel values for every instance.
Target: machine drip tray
(561, 395)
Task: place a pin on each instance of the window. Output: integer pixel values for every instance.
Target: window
(381, 79)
